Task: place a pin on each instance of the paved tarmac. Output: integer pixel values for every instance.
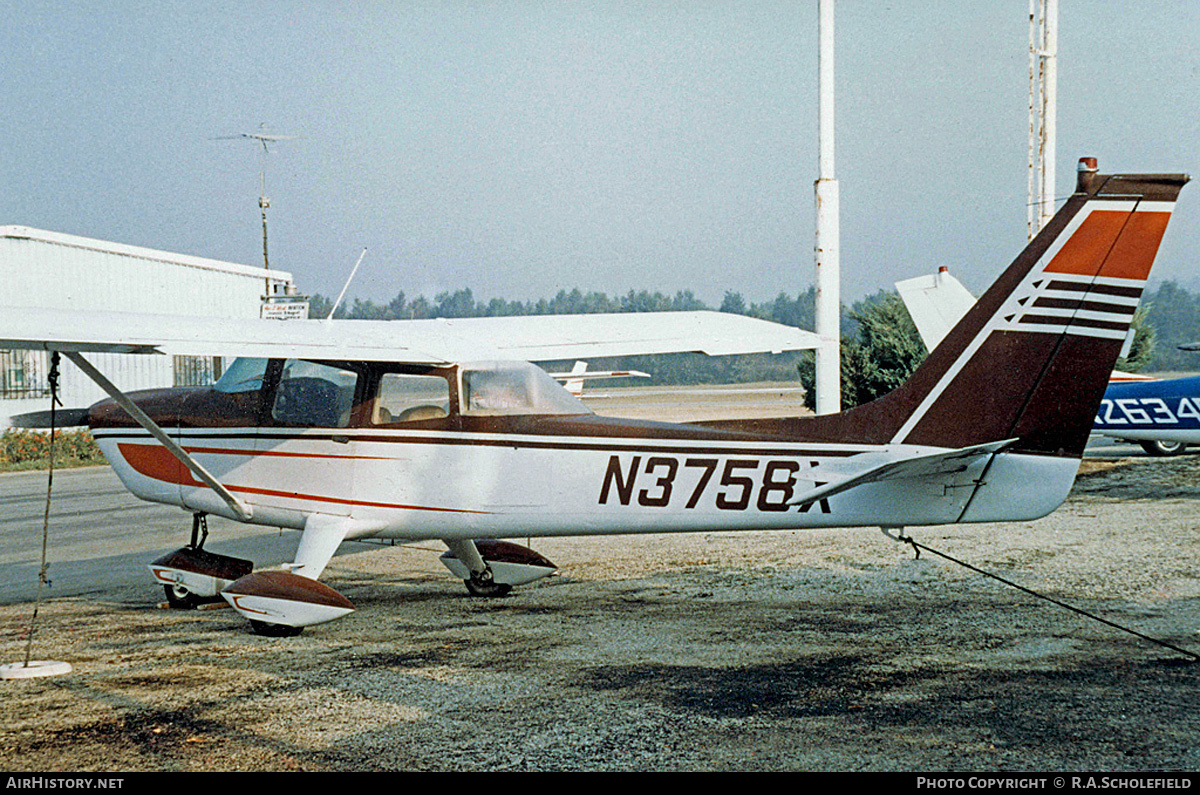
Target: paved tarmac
(101, 537)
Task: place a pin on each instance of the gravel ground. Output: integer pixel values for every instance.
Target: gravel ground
(817, 650)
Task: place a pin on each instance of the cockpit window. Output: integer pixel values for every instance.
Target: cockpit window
(406, 398)
(244, 375)
(496, 388)
(314, 394)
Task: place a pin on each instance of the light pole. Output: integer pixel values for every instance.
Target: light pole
(828, 310)
(1043, 111)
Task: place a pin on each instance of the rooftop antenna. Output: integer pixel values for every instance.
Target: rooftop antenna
(263, 138)
(346, 286)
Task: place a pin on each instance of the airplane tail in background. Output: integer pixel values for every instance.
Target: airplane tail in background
(573, 381)
(1031, 359)
(575, 385)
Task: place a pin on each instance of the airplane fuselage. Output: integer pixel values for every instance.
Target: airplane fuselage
(1167, 409)
(990, 427)
(467, 475)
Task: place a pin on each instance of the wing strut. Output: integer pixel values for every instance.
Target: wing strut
(240, 508)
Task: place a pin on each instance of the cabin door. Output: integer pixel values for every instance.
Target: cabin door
(304, 456)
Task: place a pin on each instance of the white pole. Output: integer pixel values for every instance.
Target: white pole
(1050, 89)
(346, 286)
(1043, 110)
(828, 310)
(1033, 194)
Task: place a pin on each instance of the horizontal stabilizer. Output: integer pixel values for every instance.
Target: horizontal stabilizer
(63, 418)
(944, 462)
(594, 375)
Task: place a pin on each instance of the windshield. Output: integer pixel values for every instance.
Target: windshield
(495, 388)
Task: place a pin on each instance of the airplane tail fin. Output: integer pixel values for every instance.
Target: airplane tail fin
(935, 303)
(575, 385)
(1031, 359)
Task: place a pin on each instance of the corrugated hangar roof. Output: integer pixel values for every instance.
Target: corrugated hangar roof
(120, 249)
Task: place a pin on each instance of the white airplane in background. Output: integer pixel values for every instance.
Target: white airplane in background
(573, 381)
(415, 430)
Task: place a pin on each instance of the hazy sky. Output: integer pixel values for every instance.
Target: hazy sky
(519, 148)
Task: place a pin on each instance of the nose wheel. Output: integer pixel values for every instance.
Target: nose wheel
(180, 598)
(191, 576)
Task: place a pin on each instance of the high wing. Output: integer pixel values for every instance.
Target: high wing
(527, 338)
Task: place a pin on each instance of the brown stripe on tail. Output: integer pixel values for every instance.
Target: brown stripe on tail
(1041, 388)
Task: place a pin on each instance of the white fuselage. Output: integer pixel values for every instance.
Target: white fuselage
(415, 484)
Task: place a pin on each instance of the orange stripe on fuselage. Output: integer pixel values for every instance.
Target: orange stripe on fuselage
(156, 462)
(1113, 244)
(275, 453)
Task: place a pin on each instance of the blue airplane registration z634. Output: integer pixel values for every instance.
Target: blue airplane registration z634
(418, 430)
(1162, 415)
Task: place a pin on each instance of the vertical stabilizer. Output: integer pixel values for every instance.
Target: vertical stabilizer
(935, 303)
(1032, 358)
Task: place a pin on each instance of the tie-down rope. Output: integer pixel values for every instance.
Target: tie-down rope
(43, 578)
(917, 547)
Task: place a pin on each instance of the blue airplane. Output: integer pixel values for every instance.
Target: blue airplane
(1163, 416)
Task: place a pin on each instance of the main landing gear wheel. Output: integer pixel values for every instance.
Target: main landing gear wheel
(490, 568)
(180, 598)
(274, 630)
(486, 587)
(1161, 448)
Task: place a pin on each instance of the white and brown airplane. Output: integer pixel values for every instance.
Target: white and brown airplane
(351, 430)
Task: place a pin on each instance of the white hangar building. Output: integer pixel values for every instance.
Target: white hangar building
(50, 269)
